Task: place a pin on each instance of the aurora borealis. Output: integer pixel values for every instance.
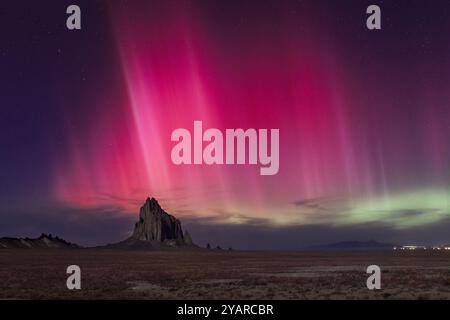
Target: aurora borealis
(364, 116)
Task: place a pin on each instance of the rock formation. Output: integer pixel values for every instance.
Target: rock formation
(156, 229)
(156, 225)
(43, 242)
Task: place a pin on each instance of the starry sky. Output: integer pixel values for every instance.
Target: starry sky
(364, 117)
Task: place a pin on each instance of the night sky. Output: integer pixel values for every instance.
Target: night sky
(364, 116)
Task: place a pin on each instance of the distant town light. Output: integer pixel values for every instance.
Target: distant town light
(412, 247)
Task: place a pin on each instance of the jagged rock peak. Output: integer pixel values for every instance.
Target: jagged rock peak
(152, 203)
(45, 241)
(156, 225)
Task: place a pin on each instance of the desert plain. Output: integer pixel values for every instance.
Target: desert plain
(211, 274)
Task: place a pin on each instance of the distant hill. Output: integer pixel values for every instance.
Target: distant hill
(43, 242)
(355, 245)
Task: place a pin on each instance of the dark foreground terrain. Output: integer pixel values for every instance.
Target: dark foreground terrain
(41, 274)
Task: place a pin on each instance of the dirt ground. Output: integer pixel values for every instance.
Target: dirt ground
(30, 274)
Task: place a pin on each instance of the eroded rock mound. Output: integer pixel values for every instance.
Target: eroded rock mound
(43, 242)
